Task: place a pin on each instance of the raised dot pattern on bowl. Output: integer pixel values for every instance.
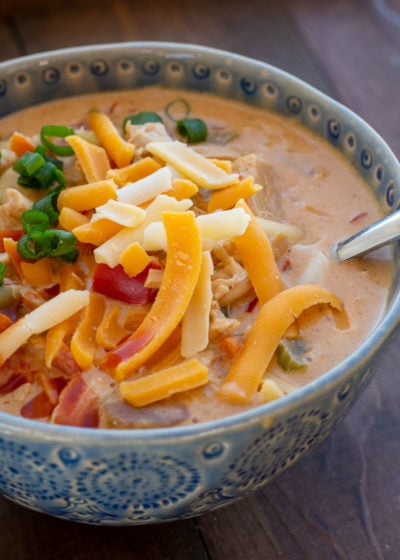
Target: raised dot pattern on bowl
(119, 68)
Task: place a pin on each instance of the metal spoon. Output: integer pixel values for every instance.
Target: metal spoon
(372, 237)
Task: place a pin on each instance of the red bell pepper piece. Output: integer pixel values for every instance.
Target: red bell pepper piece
(115, 283)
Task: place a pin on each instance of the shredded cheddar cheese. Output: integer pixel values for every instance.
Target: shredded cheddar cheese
(166, 247)
(41, 319)
(192, 165)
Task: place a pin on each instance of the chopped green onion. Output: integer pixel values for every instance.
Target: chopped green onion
(48, 205)
(193, 130)
(34, 220)
(39, 171)
(177, 109)
(2, 272)
(41, 150)
(142, 118)
(56, 162)
(49, 243)
(56, 131)
(29, 163)
(48, 174)
(62, 242)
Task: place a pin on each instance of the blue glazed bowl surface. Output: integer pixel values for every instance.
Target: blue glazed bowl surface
(127, 477)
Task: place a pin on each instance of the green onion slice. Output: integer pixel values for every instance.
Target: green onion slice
(56, 131)
(193, 130)
(39, 171)
(48, 205)
(142, 118)
(49, 243)
(177, 109)
(54, 161)
(41, 150)
(2, 272)
(29, 163)
(34, 220)
(47, 175)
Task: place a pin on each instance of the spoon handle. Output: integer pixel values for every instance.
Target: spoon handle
(374, 236)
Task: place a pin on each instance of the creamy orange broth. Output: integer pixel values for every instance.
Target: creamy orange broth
(306, 183)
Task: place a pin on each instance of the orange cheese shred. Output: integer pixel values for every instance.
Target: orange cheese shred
(56, 335)
(86, 197)
(119, 151)
(135, 316)
(134, 172)
(275, 316)
(10, 247)
(164, 383)
(5, 322)
(38, 273)
(70, 219)
(134, 259)
(258, 259)
(168, 354)
(182, 269)
(19, 144)
(70, 278)
(97, 232)
(110, 332)
(228, 197)
(182, 188)
(83, 342)
(92, 159)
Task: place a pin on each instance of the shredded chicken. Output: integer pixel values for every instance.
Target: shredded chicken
(7, 159)
(8, 180)
(267, 204)
(220, 151)
(142, 134)
(13, 205)
(280, 245)
(219, 323)
(73, 170)
(230, 282)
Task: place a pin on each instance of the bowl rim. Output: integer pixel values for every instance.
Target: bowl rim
(385, 330)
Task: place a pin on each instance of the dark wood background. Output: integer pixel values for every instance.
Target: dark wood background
(342, 501)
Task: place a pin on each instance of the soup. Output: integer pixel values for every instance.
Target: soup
(167, 259)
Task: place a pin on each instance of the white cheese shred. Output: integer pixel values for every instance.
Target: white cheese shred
(41, 319)
(196, 321)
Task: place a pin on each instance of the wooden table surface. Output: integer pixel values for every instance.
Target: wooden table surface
(341, 501)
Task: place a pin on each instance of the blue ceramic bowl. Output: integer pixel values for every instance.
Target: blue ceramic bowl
(147, 476)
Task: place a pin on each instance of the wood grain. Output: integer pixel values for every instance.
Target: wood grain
(341, 501)
(9, 47)
(262, 30)
(360, 48)
(29, 535)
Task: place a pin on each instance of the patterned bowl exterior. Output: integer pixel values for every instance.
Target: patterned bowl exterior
(148, 476)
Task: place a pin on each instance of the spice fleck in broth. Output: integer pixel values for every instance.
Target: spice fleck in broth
(166, 259)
